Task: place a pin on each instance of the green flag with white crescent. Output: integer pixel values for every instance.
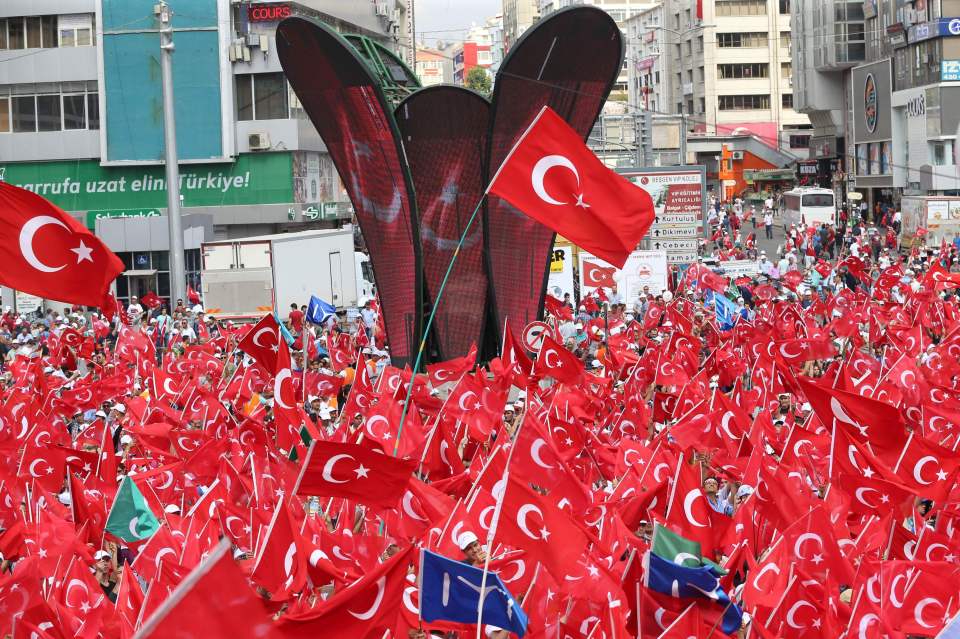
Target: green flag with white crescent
(678, 549)
(130, 517)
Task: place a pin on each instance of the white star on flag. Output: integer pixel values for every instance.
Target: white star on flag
(361, 471)
(83, 252)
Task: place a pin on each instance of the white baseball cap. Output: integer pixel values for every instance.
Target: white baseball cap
(465, 539)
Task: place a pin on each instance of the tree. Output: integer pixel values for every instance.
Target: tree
(479, 80)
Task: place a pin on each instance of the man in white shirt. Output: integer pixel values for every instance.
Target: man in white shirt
(765, 264)
(134, 310)
(614, 297)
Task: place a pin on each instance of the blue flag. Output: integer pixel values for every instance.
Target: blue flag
(318, 312)
(682, 582)
(951, 630)
(450, 591)
(727, 314)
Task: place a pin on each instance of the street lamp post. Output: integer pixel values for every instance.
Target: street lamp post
(174, 223)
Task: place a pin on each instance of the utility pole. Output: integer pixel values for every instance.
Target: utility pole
(683, 137)
(177, 269)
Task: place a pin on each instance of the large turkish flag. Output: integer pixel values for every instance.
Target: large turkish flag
(46, 252)
(554, 178)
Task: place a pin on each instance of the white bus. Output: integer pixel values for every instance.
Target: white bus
(809, 206)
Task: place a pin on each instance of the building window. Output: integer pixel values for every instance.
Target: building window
(73, 107)
(93, 111)
(262, 96)
(4, 115)
(48, 113)
(787, 100)
(743, 102)
(743, 70)
(32, 32)
(74, 112)
(752, 40)
(76, 30)
(785, 7)
(786, 70)
(799, 141)
(24, 114)
(785, 40)
(17, 33)
(942, 153)
(741, 7)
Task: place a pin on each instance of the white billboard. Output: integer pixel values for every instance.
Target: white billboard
(560, 280)
(643, 268)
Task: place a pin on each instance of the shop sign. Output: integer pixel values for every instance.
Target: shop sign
(268, 12)
(84, 185)
(950, 70)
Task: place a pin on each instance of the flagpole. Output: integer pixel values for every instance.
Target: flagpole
(429, 324)
(491, 533)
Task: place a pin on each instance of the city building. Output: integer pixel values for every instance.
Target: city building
(903, 110)
(518, 16)
(433, 67)
(474, 51)
(829, 41)
(81, 123)
(494, 27)
(621, 11)
(727, 71)
(648, 87)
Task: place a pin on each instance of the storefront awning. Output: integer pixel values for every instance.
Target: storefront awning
(141, 272)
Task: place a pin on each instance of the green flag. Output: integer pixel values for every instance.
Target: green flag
(680, 550)
(130, 517)
(672, 547)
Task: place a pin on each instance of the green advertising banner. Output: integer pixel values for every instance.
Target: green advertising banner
(115, 191)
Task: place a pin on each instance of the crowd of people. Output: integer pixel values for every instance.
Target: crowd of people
(661, 466)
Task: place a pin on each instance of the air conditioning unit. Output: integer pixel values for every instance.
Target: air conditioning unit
(258, 141)
(736, 155)
(253, 40)
(382, 8)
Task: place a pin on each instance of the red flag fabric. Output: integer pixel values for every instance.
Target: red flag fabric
(151, 300)
(354, 472)
(262, 342)
(213, 602)
(557, 362)
(598, 274)
(48, 253)
(452, 370)
(364, 610)
(579, 198)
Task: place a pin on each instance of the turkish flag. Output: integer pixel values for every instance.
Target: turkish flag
(555, 179)
(47, 252)
(363, 610)
(214, 602)
(354, 472)
(282, 563)
(151, 300)
(598, 275)
(192, 296)
(557, 308)
(453, 369)
(532, 523)
(557, 362)
(262, 342)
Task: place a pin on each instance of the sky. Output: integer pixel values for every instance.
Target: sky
(435, 17)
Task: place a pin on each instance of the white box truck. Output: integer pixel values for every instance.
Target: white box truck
(245, 278)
